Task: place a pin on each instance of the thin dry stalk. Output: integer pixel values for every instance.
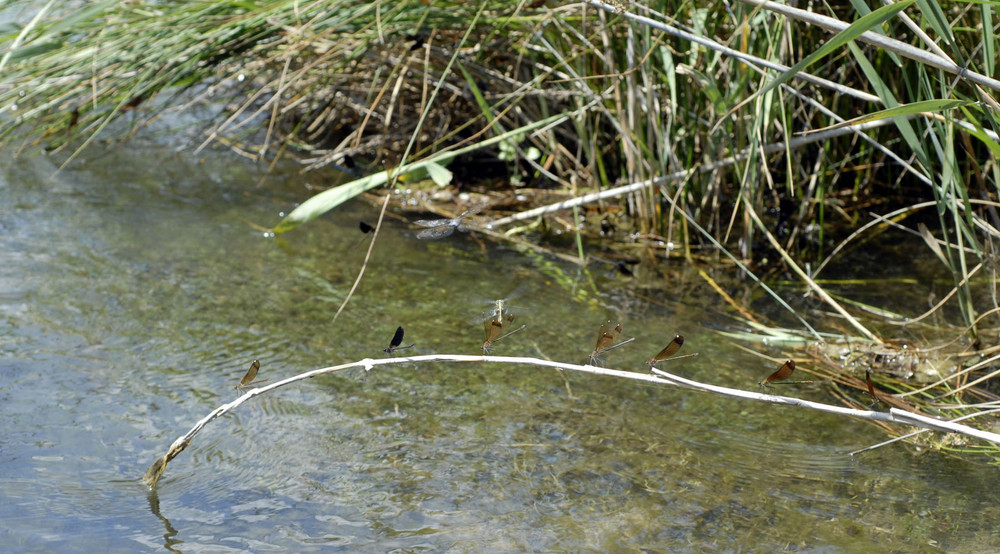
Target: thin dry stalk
(409, 147)
(682, 175)
(985, 363)
(808, 280)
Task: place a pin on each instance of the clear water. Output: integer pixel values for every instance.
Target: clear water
(135, 290)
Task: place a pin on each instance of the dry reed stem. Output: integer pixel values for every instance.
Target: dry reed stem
(736, 54)
(684, 174)
(807, 280)
(879, 40)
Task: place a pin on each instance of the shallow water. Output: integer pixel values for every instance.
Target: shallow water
(135, 291)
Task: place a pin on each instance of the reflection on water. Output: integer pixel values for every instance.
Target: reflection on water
(135, 292)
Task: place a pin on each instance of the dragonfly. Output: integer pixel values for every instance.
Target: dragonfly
(397, 340)
(606, 340)
(251, 374)
(495, 326)
(671, 349)
(441, 228)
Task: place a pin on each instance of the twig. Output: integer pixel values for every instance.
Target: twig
(368, 255)
(888, 219)
(888, 442)
(946, 298)
(660, 377)
(915, 433)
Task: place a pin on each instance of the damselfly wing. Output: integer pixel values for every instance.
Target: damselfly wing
(871, 389)
(251, 374)
(441, 228)
(496, 329)
(672, 348)
(606, 340)
(607, 337)
(397, 340)
(783, 372)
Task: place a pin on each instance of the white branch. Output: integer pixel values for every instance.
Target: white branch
(894, 415)
(658, 377)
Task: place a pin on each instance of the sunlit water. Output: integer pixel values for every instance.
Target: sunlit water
(135, 291)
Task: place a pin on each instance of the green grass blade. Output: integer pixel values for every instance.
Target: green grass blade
(980, 133)
(330, 199)
(884, 92)
(853, 31)
(24, 34)
(862, 8)
(439, 174)
(923, 106)
(937, 20)
(989, 40)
